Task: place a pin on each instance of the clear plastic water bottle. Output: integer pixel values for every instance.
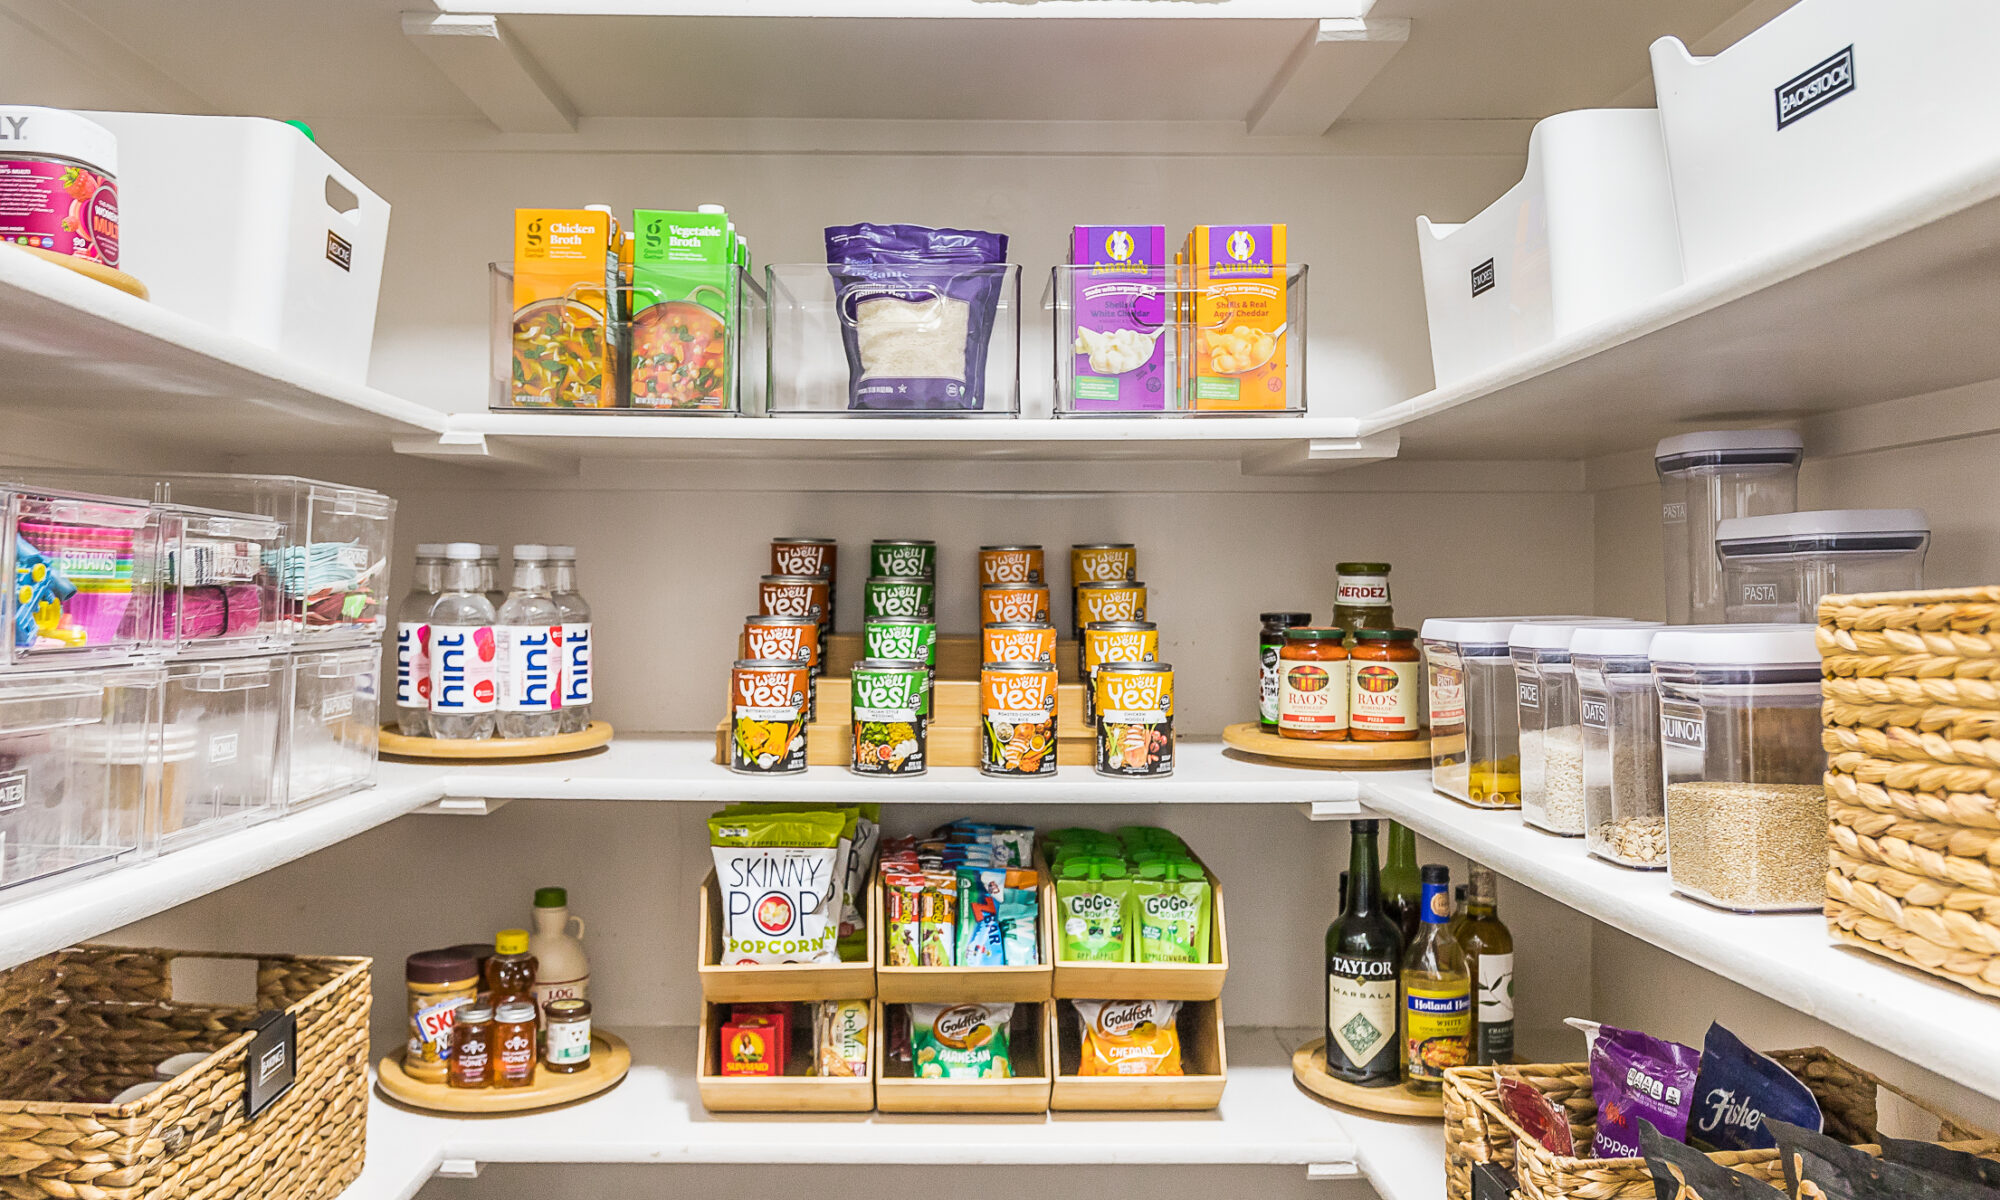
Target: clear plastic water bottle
(464, 666)
(413, 643)
(489, 576)
(530, 642)
(576, 681)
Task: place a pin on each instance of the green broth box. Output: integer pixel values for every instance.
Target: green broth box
(684, 293)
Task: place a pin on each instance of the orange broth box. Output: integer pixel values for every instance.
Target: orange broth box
(1235, 315)
(562, 356)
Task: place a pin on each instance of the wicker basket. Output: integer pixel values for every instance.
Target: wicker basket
(1477, 1130)
(1912, 737)
(79, 1026)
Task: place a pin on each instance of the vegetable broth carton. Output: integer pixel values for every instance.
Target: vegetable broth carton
(684, 293)
(1234, 351)
(562, 347)
(1119, 356)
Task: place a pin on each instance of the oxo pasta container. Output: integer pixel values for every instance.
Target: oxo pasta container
(1836, 113)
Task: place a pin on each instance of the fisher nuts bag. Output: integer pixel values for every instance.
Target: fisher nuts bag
(1738, 1089)
(1940, 1160)
(916, 310)
(1636, 1077)
(1819, 1167)
(1684, 1173)
(1129, 1037)
(779, 877)
(960, 1041)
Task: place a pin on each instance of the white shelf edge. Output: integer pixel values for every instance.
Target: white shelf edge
(1046, 10)
(836, 427)
(1788, 958)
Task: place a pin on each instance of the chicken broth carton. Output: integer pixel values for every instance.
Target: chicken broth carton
(1235, 355)
(1119, 357)
(562, 344)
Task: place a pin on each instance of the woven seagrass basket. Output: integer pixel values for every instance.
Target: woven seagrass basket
(81, 1025)
(1912, 734)
(1477, 1129)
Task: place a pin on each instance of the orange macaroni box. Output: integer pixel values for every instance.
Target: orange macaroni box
(1235, 308)
(562, 355)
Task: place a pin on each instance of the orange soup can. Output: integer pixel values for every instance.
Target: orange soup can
(1097, 602)
(1017, 719)
(797, 596)
(1010, 564)
(1098, 562)
(790, 639)
(1112, 642)
(1135, 731)
(1005, 603)
(767, 716)
(1018, 641)
(817, 558)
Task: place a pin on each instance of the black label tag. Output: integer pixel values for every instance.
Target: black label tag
(1820, 85)
(1482, 278)
(339, 251)
(1491, 1181)
(13, 790)
(271, 1065)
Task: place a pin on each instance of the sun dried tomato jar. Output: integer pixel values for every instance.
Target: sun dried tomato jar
(1387, 671)
(1312, 685)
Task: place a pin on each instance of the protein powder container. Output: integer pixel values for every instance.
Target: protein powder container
(58, 183)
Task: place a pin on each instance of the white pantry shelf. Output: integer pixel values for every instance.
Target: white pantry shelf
(1787, 957)
(656, 1116)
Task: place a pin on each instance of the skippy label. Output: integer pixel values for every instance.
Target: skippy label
(464, 670)
(413, 664)
(430, 1026)
(576, 686)
(530, 667)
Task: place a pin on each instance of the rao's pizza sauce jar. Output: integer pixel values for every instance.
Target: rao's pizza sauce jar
(58, 183)
(1312, 685)
(1387, 671)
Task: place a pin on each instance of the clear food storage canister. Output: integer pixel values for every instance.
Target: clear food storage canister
(1776, 568)
(1740, 750)
(1475, 736)
(1545, 700)
(1624, 804)
(1706, 478)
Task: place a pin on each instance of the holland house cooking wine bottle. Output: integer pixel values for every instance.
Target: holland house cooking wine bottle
(1363, 950)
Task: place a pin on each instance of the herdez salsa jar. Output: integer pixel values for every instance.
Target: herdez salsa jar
(1312, 685)
(1135, 718)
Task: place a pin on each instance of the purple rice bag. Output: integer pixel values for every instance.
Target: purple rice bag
(1738, 1088)
(916, 310)
(1636, 1077)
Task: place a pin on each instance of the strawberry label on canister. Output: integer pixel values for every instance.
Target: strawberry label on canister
(909, 639)
(896, 596)
(1008, 602)
(903, 560)
(1010, 564)
(767, 716)
(1017, 719)
(1018, 641)
(1135, 718)
(891, 713)
(1112, 642)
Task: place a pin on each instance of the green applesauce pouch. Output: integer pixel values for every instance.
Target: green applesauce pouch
(1091, 897)
(1170, 906)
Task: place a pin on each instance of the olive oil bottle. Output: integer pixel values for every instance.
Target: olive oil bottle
(1437, 993)
(1363, 949)
(1489, 957)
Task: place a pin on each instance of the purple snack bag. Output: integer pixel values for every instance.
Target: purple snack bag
(916, 310)
(1118, 361)
(1636, 1077)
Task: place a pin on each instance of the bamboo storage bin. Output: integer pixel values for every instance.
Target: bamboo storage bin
(779, 1093)
(1912, 735)
(1028, 1052)
(758, 982)
(1477, 1130)
(954, 985)
(1140, 981)
(1204, 1067)
(83, 1024)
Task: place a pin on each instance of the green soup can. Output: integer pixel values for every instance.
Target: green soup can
(899, 596)
(906, 638)
(891, 700)
(903, 560)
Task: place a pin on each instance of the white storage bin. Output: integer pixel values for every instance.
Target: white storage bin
(61, 813)
(335, 724)
(1586, 235)
(1833, 112)
(244, 224)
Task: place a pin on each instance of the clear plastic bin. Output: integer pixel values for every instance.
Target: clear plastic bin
(1545, 692)
(60, 812)
(1740, 751)
(1775, 569)
(701, 353)
(1624, 806)
(219, 581)
(84, 572)
(922, 351)
(335, 724)
(218, 741)
(1705, 479)
(1126, 344)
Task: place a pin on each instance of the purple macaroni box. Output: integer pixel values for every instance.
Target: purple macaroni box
(1119, 357)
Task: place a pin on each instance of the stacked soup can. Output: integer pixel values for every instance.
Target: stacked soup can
(1128, 694)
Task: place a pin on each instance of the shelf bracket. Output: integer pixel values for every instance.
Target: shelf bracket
(458, 1168)
(471, 449)
(494, 71)
(463, 806)
(1329, 68)
(1332, 1171)
(1315, 456)
(1331, 810)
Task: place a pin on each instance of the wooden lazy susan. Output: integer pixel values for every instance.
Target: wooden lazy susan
(593, 735)
(610, 1058)
(1309, 1068)
(1250, 738)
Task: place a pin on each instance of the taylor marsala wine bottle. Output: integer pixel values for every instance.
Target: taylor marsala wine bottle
(1363, 950)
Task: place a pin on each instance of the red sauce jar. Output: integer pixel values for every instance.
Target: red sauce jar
(1313, 685)
(1386, 670)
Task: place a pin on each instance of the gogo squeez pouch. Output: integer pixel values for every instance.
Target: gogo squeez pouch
(1091, 895)
(1637, 1077)
(1737, 1089)
(1170, 902)
(779, 876)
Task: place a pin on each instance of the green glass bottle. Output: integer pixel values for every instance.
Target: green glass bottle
(1437, 993)
(1489, 957)
(1401, 892)
(1363, 950)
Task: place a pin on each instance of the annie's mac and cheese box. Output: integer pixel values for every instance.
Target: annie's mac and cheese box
(1235, 348)
(1119, 356)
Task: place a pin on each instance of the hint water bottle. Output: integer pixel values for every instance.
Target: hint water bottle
(576, 687)
(413, 643)
(489, 576)
(464, 670)
(530, 642)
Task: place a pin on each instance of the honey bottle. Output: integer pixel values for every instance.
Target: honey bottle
(514, 1052)
(472, 1047)
(510, 973)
